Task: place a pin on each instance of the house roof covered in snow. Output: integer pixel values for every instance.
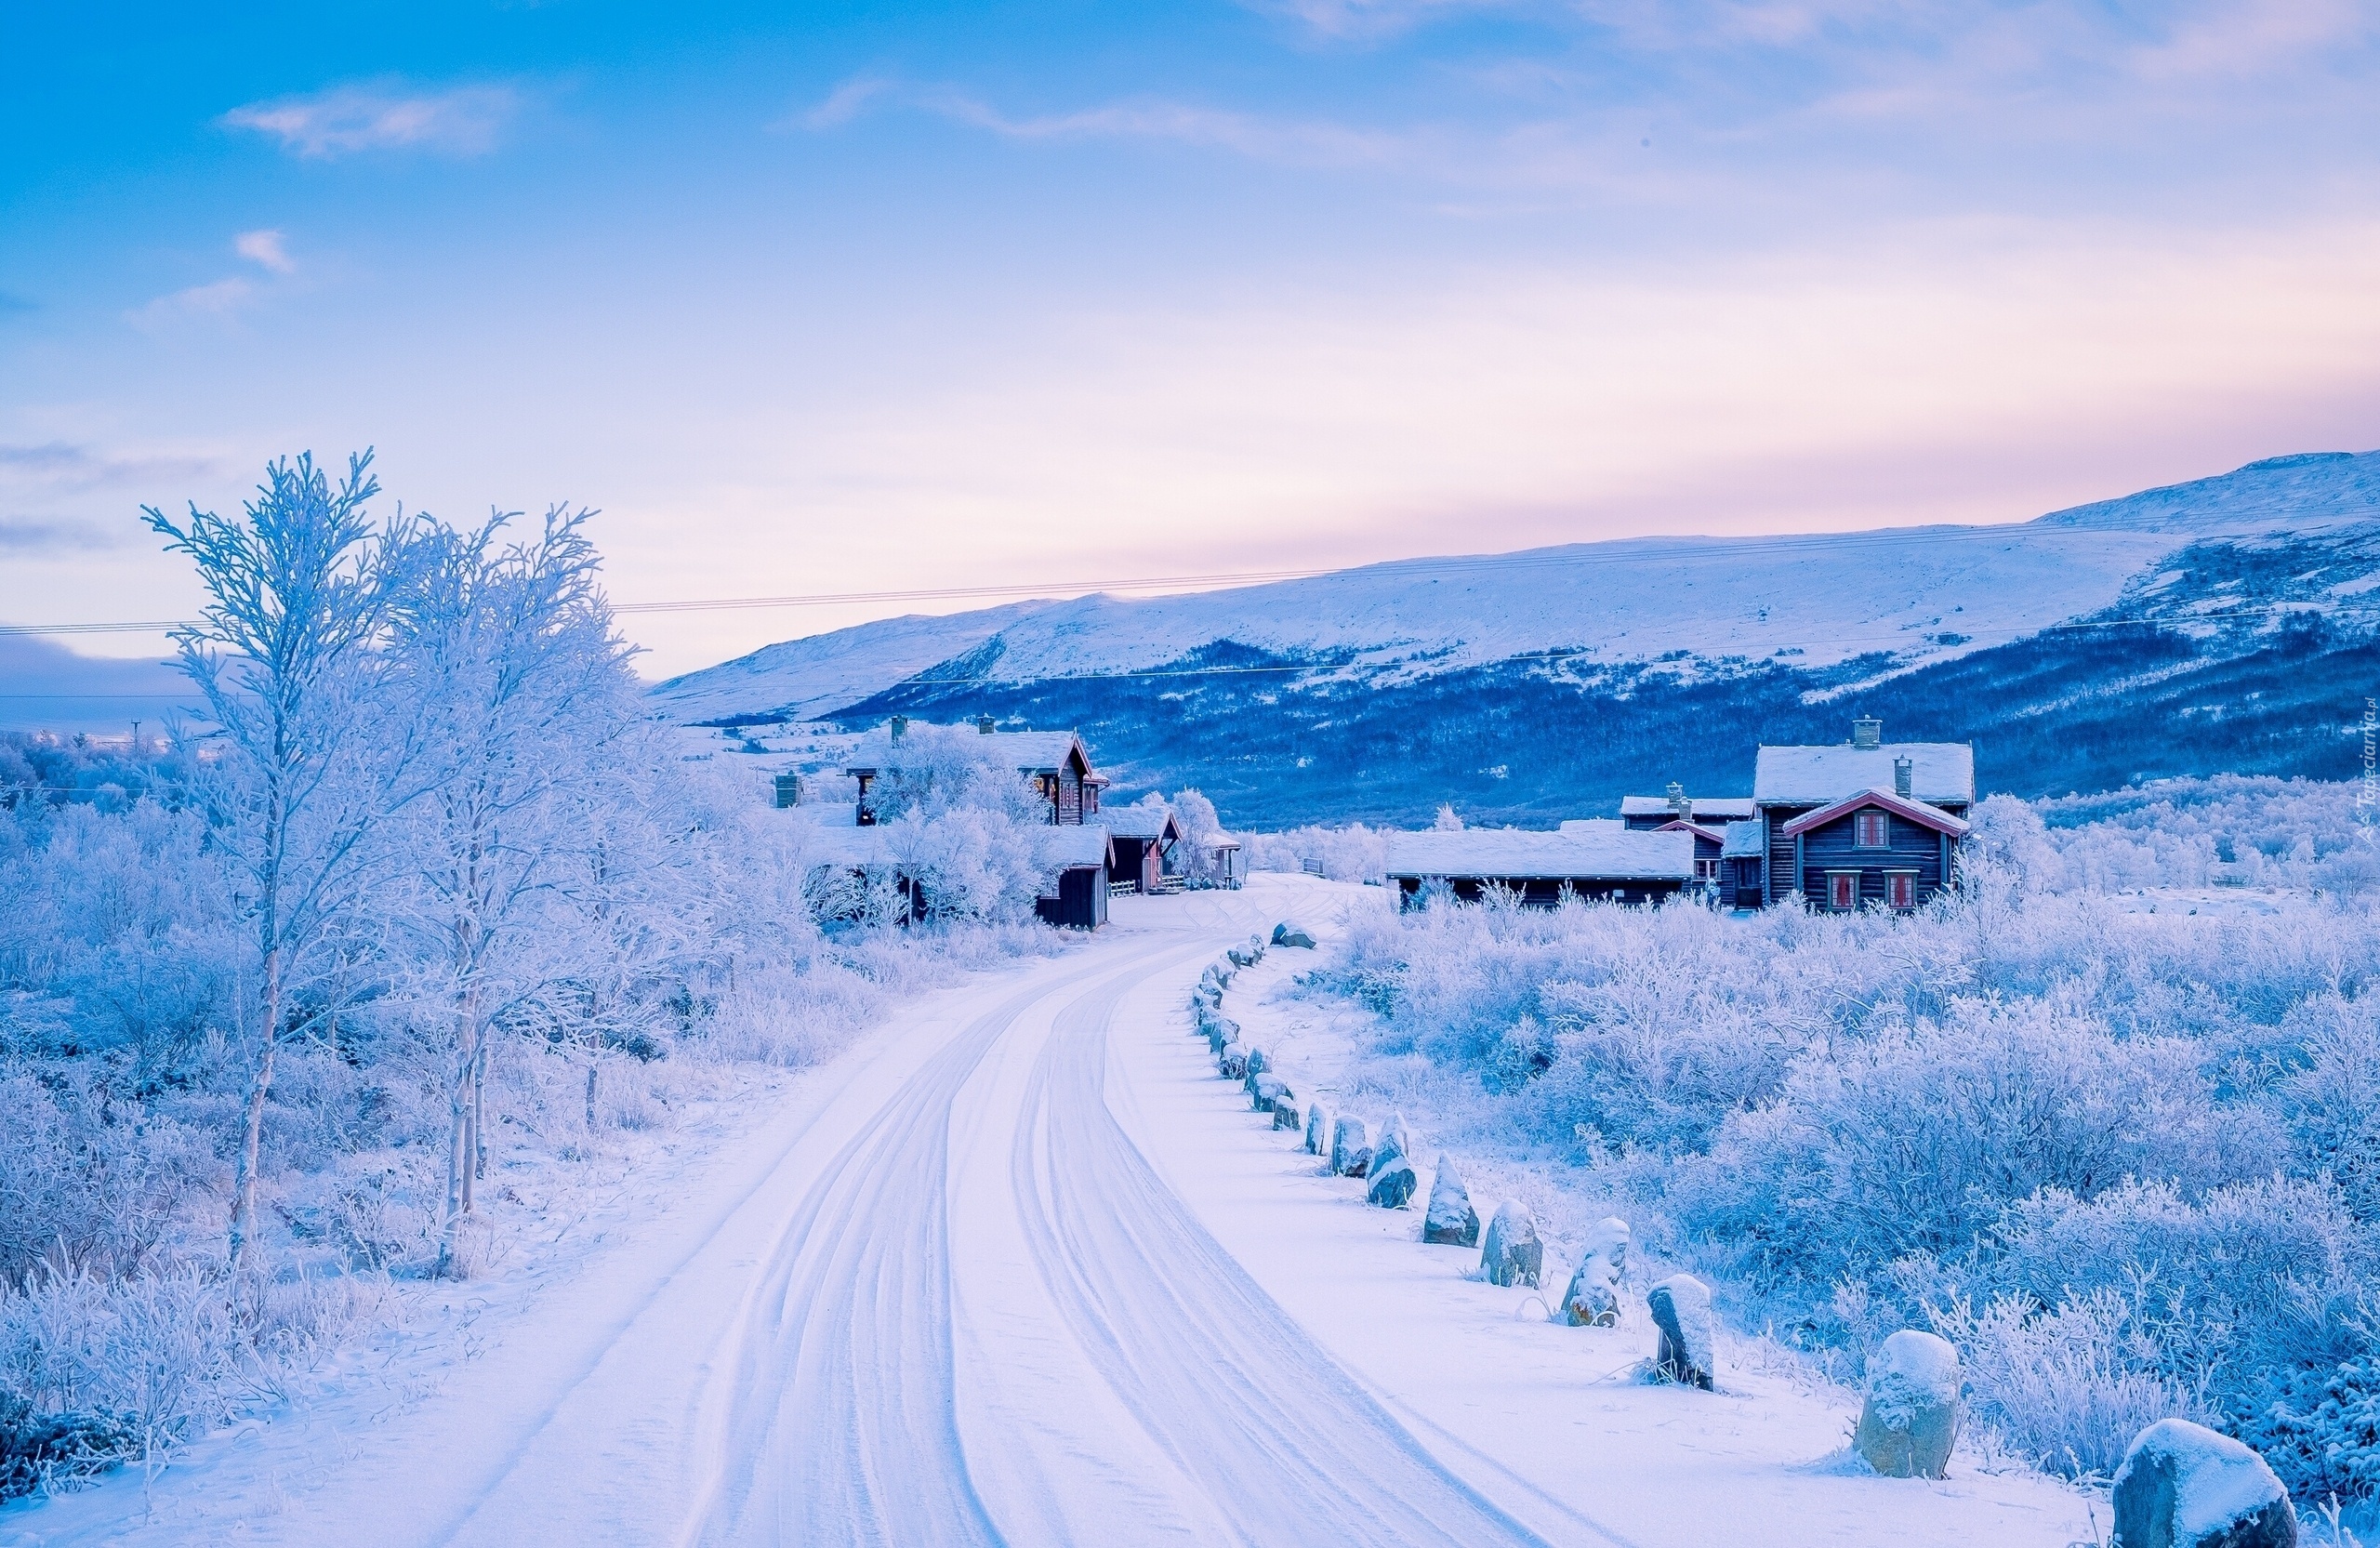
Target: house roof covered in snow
(1031, 751)
(1702, 809)
(1613, 853)
(1594, 825)
(1940, 774)
(857, 849)
(1744, 840)
(1139, 822)
(1072, 848)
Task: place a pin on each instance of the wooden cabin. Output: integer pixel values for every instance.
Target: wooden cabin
(1054, 762)
(1595, 860)
(1082, 859)
(1146, 839)
(1704, 816)
(1743, 856)
(1864, 824)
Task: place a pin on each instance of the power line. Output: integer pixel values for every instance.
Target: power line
(1639, 551)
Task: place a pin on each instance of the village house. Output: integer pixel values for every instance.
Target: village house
(1054, 762)
(1704, 816)
(1146, 839)
(1592, 859)
(1858, 825)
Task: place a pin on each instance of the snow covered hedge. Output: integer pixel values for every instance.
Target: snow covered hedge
(2130, 1160)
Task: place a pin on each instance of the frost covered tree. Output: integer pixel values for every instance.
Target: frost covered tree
(295, 773)
(1195, 814)
(1447, 820)
(506, 659)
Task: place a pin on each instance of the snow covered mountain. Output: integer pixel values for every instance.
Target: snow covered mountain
(1507, 678)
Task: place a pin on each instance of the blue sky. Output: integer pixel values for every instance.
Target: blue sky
(830, 298)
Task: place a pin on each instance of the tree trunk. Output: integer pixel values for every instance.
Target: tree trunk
(479, 1113)
(591, 1092)
(244, 1186)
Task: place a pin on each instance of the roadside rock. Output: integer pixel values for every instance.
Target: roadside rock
(1682, 1311)
(1317, 1130)
(1910, 1420)
(1593, 1300)
(1233, 1062)
(1511, 1253)
(2183, 1486)
(1350, 1147)
(1287, 934)
(1451, 1221)
(1393, 1183)
(1285, 1111)
(1266, 1089)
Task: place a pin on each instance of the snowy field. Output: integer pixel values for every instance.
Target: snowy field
(1020, 1268)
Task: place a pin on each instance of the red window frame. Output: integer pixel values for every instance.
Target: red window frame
(1843, 891)
(1871, 829)
(1901, 889)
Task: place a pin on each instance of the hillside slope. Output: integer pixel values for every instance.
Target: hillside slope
(2224, 624)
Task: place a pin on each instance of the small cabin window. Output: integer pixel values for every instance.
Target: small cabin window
(1843, 891)
(1900, 890)
(1871, 831)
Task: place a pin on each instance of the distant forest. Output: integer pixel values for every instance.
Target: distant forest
(1275, 741)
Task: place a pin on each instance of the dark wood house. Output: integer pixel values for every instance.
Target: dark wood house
(1598, 860)
(1865, 824)
(1145, 840)
(1054, 762)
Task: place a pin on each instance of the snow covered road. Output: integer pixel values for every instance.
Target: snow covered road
(1021, 1271)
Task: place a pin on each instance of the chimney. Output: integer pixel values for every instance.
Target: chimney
(1678, 804)
(788, 791)
(898, 725)
(1901, 768)
(983, 724)
(1867, 733)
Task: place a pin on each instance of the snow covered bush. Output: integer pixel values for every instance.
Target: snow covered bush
(1350, 853)
(2123, 1152)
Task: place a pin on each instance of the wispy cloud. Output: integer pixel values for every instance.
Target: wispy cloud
(33, 535)
(343, 120)
(1362, 21)
(269, 248)
(217, 298)
(845, 103)
(67, 464)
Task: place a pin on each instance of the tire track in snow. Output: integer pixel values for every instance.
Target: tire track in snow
(1283, 1440)
(840, 1424)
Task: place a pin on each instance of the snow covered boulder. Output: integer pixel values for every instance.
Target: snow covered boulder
(1350, 1147)
(1257, 1061)
(1232, 1063)
(1593, 1300)
(1285, 1111)
(1266, 1089)
(1385, 1147)
(1911, 1419)
(1511, 1255)
(1287, 934)
(2183, 1486)
(1682, 1311)
(1393, 1182)
(1317, 1130)
(1451, 1221)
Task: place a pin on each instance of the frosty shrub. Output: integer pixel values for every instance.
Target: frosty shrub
(2127, 1155)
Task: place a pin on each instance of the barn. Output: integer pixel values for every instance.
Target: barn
(1599, 860)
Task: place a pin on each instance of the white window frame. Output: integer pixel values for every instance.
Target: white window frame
(1860, 821)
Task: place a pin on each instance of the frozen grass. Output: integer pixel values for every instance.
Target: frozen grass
(2127, 1159)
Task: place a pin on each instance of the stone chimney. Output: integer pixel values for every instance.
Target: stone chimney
(1901, 770)
(983, 724)
(1867, 733)
(898, 725)
(1678, 804)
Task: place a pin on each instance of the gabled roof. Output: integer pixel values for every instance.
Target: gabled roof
(1915, 811)
(1701, 808)
(1941, 773)
(1507, 853)
(1745, 840)
(1141, 822)
(1678, 825)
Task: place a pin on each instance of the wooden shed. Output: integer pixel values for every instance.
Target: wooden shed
(1080, 858)
(1144, 838)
